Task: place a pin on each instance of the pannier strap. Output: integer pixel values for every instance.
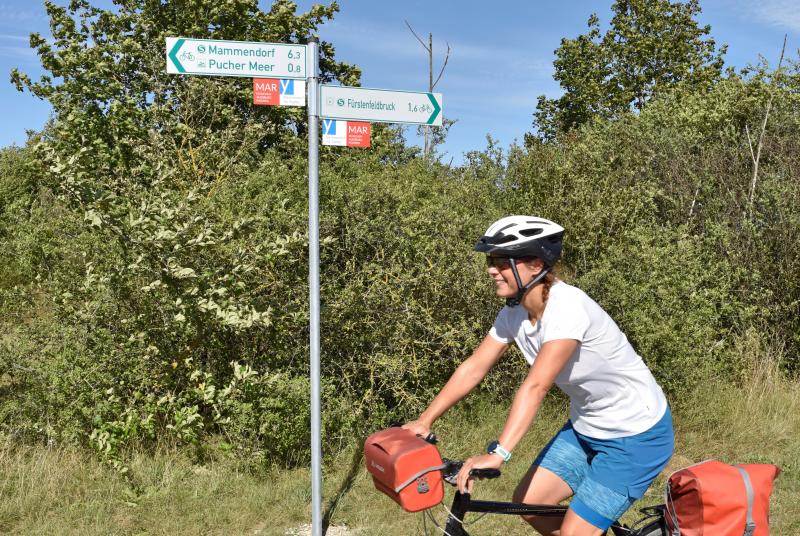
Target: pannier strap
(671, 513)
(408, 482)
(750, 527)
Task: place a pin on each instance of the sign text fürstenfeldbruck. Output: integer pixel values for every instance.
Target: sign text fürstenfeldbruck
(380, 105)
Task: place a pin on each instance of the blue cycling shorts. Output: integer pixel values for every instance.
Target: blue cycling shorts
(608, 475)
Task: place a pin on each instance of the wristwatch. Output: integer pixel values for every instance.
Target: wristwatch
(496, 448)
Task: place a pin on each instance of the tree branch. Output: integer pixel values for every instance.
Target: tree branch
(694, 200)
(415, 35)
(764, 129)
(446, 57)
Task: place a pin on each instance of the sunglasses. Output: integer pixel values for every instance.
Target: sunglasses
(497, 262)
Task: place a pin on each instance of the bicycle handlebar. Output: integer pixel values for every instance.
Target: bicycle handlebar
(452, 467)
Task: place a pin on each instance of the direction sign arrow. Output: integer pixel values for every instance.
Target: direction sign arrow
(436, 109)
(211, 57)
(173, 54)
(380, 105)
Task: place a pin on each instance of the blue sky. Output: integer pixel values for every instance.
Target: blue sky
(501, 53)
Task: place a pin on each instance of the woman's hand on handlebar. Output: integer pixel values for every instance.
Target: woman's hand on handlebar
(418, 427)
(485, 461)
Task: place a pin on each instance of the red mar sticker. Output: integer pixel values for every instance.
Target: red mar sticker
(358, 133)
(266, 91)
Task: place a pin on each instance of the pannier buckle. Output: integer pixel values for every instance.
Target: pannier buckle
(422, 485)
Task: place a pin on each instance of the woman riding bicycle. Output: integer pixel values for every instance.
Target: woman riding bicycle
(619, 434)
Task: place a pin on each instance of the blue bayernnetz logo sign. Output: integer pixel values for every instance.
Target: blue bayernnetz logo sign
(329, 127)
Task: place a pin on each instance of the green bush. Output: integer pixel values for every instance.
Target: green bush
(660, 227)
(166, 301)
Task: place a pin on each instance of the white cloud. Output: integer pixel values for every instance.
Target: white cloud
(10, 37)
(22, 53)
(778, 13)
(10, 14)
(372, 39)
(16, 46)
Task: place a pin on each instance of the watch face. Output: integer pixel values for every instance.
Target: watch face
(491, 447)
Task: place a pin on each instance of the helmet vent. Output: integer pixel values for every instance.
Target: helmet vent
(503, 239)
(530, 232)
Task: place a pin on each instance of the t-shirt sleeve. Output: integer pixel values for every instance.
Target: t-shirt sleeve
(567, 320)
(501, 330)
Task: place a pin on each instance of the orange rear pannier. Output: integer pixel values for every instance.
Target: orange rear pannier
(716, 499)
(406, 468)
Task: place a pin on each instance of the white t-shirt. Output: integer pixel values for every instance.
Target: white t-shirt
(612, 392)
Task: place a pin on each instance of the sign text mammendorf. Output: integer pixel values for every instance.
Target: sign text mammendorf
(211, 57)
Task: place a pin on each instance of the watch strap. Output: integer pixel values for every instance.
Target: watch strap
(496, 448)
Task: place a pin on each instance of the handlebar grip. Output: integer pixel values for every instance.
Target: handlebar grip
(485, 473)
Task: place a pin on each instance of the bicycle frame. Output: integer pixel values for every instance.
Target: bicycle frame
(463, 503)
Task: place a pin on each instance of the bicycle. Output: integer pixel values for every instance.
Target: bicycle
(652, 524)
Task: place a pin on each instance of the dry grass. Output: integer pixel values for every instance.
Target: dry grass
(52, 491)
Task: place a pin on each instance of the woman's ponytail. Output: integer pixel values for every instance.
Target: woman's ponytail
(548, 281)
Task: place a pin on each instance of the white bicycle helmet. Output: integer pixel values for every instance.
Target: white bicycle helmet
(517, 237)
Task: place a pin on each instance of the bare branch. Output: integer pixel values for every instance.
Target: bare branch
(415, 35)
(446, 57)
(431, 84)
(750, 144)
(694, 200)
(764, 128)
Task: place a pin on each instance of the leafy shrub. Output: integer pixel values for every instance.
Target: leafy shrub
(160, 295)
(661, 229)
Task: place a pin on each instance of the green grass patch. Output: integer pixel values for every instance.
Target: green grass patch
(55, 491)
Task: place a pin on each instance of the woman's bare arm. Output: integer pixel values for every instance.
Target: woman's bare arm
(528, 399)
(464, 379)
(551, 359)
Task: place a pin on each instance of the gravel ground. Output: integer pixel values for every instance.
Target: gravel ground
(305, 530)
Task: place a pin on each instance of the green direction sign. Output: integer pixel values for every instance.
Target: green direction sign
(211, 57)
(380, 105)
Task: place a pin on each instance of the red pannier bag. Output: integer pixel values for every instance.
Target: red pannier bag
(716, 499)
(406, 468)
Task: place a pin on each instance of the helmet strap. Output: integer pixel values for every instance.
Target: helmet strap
(522, 289)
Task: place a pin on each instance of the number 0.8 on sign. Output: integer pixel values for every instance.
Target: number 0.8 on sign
(211, 57)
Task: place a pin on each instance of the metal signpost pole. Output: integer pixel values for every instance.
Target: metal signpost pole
(313, 280)
(211, 57)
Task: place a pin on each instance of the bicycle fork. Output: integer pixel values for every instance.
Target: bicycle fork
(455, 518)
